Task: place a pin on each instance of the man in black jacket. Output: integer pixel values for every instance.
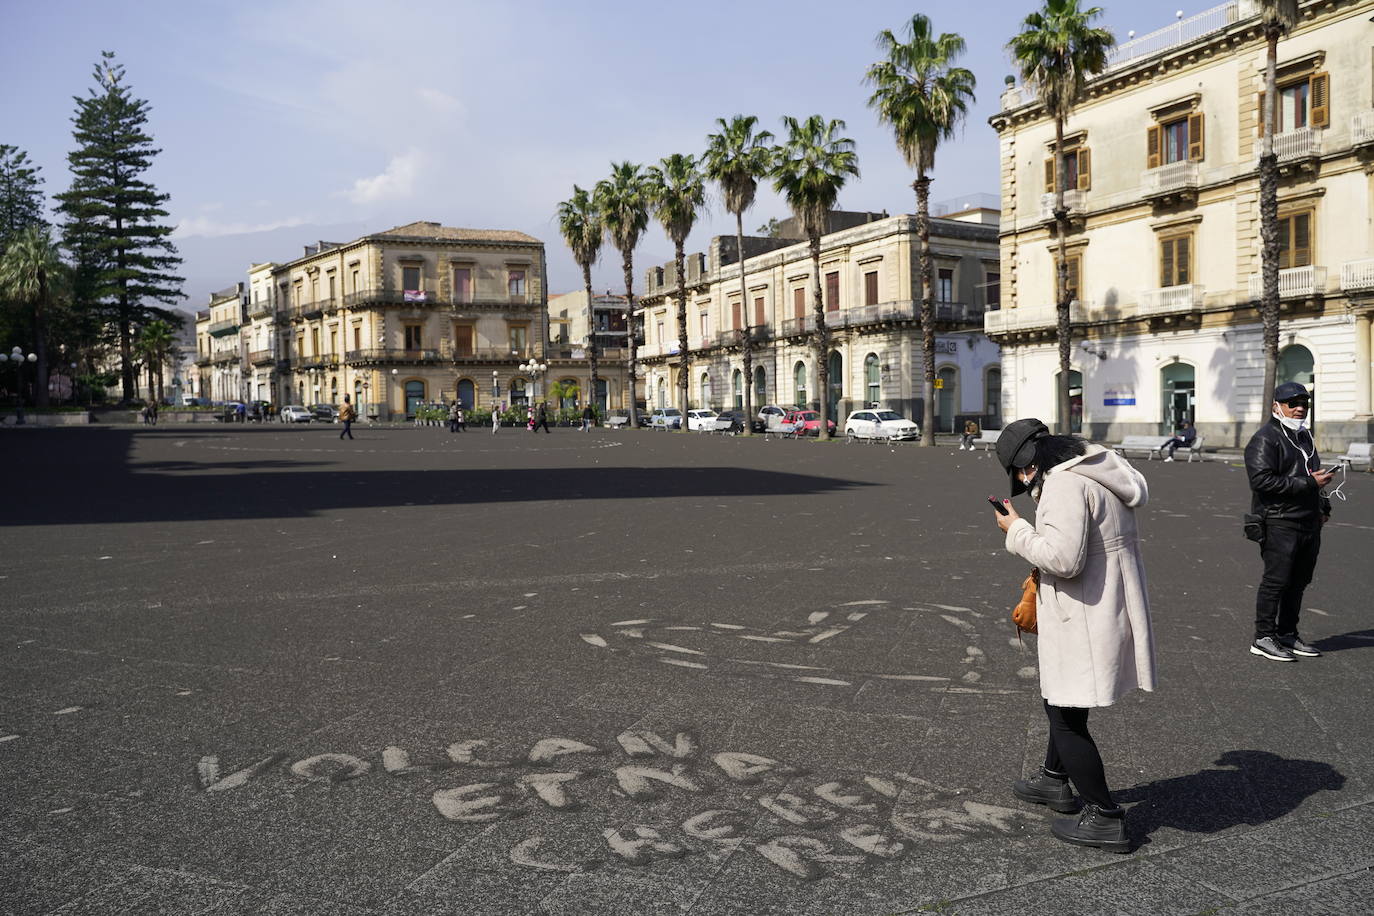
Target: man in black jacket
(1286, 482)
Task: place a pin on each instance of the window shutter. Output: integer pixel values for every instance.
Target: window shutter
(1152, 147)
(1302, 240)
(1319, 98)
(1085, 173)
(1195, 137)
(1263, 113)
(1166, 263)
(1049, 175)
(1183, 258)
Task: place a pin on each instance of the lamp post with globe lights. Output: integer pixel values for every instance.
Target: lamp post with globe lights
(534, 369)
(18, 357)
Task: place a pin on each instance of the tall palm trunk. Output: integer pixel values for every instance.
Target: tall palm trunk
(680, 263)
(591, 331)
(628, 263)
(926, 279)
(1269, 228)
(748, 334)
(822, 342)
(1061, 304)
(40, 342)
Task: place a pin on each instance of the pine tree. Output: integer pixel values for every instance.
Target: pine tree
(123, 256)
(21, 202)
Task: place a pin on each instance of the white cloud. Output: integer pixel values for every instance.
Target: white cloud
(396, 182)
(440, 101)
(208, 227)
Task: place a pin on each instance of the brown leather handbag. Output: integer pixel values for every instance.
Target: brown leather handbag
(1023, 615)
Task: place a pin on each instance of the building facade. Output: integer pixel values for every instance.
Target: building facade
(575, 326)
(219, 345)
(872, 302)
(1164, 246)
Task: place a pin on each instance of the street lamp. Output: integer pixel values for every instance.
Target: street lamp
(534, 368)
(495, 387)
(17, 357)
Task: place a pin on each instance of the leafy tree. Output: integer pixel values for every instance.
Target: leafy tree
(156, 342)
(1057, 50)
(21, 201)
(33, 276)
(677, 190)
(623, 202)
(1277, 18)
(736, 158)
(579, 222)
(124, 257)
(809, 171)
(923, 97)
(771, 229)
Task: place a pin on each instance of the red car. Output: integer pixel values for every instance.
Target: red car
(806, 422)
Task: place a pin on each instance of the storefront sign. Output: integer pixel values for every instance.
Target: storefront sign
(1118, 395)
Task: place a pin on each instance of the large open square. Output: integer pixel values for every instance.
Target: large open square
(260, 670)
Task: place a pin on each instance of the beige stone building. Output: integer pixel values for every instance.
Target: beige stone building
(1164, 251)
(219, 345)
(868, 265)
(574, 326)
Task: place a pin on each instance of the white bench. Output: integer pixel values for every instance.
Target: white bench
(1196, 450)
(1150, 445)
(1357, 453)
(987, 439)
(617, 422)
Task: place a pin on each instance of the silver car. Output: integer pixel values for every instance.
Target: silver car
(879, 424)
(295, 413)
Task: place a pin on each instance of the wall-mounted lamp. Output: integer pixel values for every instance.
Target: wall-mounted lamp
(1088, 348)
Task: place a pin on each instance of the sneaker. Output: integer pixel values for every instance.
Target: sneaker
(1094, 827)
(1295, 645)
(1168, 458)
(1046, 789)
(1268, 647)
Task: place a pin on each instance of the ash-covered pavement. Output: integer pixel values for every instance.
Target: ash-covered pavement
(263, 671)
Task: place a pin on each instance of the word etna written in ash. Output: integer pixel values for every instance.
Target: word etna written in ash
(805, 825)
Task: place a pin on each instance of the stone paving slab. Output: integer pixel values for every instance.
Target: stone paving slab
(258, 670)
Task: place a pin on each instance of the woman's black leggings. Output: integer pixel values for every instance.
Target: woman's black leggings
(1073, 752)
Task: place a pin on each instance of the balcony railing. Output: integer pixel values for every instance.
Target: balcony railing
(224, 356)
(1169, 179)
(1362, 128)
(391, 355)
(1170, 300)
(1357, 276)
(1294, 145)
(202, 360)
(391, 297)
(1294, 283)
(261, 357)
(262, 309)
(222, 328)
(1024, 319)
(791, 327)
(1073, 202)
(317, 361)
(484, 354)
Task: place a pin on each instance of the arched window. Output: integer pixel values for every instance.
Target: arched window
(704, 390)
(415, 396)
(662, 392)
(946, 399)
(467, 393)
(1177, 382)
(737, 388)
(517, 392)
(872, 380)
(358, 394)
(301, 395)
(572, 391)
(760, 386)
(1296, 365)
(992, 396)
(334, 390)
(799, 382)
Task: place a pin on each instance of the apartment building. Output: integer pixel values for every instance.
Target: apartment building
(872, 304)
(219, 345)
(1164, 247)
(575, 324)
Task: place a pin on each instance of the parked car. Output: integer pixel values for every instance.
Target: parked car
(665, 418)
(324, 413)
(805, 423)
(770, 417)
(730, 421)
(880, 424)
(701, 420)
(295, 413)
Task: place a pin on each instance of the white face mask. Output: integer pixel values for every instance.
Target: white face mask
(1292, 423)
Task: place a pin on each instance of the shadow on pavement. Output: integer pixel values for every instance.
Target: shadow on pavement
(1359, 639)
(1255, 787)
(90, 479)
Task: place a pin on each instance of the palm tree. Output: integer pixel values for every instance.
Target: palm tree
(923, 97)
(1279, 16)
(579, 221)
(736, 158)
(1057, 50)
(155, 342)
(622, 201)
(32, 274)
(809, 171)
(677, 191)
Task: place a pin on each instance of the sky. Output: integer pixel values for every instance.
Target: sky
(284, 123)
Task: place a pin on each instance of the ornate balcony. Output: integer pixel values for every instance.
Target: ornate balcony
(412, 297)
(1294, 147)
(1170, 300)
(485, 354)
(793, 327)
(1073, 202)
(261, 309)
(1294, 283)
(261, 357)
(222, 328)
(224, 357)
(317, 361)
(1004, 321)
(1362, 129)
(379, 355)
(1172, 180)
(1357, 276)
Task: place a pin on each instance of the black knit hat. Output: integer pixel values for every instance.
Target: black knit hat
(1016, 448)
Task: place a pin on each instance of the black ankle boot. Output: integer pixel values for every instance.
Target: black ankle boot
(1049, 789)
(1094, 827)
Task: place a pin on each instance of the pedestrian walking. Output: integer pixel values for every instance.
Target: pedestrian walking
(970, 433)
(588, 415)
(529, 418)
(1095, 642)
(462, 419)
(347, 414)
(454, 413)
(541, 418)
(1287, 512)
(495, 418)
(1185, 436)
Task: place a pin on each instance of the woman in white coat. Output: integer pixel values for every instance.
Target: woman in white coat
(1093, 617)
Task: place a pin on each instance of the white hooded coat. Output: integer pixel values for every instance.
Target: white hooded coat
(1093, 616)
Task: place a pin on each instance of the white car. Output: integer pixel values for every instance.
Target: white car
(771, 416)
(701, 420)
(295, 413)
(879, 424)
(666, 418)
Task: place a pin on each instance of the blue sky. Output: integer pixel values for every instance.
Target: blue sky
(282, 123)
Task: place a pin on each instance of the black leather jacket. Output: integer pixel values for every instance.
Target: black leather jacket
(1281, 485)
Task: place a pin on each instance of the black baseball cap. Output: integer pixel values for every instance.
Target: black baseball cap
(1290, 390)
(1016, 448)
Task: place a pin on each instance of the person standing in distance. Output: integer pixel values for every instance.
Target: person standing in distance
(1286, 483)
(347, 414)
(1095, 642)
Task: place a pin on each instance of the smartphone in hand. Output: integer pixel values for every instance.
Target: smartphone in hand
(997, 504)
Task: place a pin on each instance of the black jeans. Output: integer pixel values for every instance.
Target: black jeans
(1073, 753)
(347, 430)
(1290, 558)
